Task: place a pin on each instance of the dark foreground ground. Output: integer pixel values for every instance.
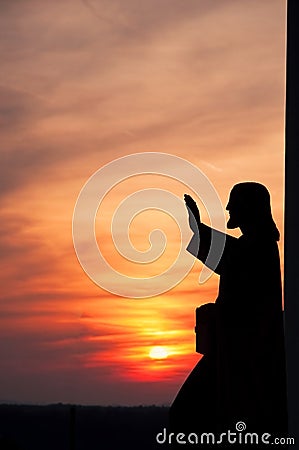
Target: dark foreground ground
(65, 427)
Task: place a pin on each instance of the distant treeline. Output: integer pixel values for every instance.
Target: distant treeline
(76, 427)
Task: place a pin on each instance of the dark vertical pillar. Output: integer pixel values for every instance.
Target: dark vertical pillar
(72, 427)
(292, 218)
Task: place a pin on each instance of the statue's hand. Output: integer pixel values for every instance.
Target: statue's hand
(193, 212)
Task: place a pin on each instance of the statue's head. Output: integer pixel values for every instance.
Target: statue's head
(249, 207)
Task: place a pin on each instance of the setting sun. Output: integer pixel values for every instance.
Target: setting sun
(158, 353)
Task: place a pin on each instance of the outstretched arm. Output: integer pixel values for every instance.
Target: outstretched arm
(200, 243)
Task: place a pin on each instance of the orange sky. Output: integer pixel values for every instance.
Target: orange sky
(83, 83)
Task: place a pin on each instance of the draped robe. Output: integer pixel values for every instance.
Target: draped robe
(243, 377)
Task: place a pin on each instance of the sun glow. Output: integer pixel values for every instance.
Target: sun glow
(158, 352)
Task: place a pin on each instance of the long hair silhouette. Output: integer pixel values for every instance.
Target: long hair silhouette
(252, 200)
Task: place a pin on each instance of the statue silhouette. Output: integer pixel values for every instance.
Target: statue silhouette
(241, 376)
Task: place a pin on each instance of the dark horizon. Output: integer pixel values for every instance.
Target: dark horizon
(30, 427)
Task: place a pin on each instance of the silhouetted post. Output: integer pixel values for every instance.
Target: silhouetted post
(72, 427)
(292, 217)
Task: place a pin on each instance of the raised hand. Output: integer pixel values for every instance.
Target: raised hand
(193, 212)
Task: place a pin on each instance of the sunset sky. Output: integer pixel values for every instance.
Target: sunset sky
(84, 82)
